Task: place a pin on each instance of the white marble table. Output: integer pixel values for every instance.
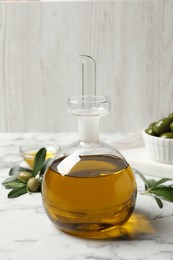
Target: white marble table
(26, 232)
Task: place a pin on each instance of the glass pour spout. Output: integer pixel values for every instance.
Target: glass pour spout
(88, 107)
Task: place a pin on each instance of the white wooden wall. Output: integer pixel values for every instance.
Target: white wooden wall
(132, 42)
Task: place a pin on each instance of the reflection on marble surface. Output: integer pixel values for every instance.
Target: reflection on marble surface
(26, 232)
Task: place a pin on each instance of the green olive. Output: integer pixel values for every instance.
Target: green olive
(162, 126)
(167, 135)
(33, 184)
(24, 176)
(151, 125)
(171, 116)
(150, 131)
(171, 126)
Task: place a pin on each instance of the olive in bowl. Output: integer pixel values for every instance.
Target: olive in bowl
(158, 140)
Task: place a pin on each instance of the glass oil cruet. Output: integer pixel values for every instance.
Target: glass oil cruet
(89, 189)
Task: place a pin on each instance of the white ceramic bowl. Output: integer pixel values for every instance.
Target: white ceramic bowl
(159, 149)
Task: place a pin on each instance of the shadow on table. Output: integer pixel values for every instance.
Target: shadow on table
(137, 227)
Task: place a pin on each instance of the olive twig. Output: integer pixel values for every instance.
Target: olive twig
(23, 180)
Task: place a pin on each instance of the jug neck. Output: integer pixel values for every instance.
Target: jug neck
(89, 110)
(88, 128)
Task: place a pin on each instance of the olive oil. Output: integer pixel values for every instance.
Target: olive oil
(95, 197)
(30, 156)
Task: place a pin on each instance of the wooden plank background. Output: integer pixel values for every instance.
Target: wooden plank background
(132, 42)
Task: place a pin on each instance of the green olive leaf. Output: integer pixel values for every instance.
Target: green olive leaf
(164, 192)
(39, 161)
(142, 177)
(159, 202)
(14, 184)
(161, 181)
(151, 183)
(10, 179)
(45, 165)
(15, 170)
(146, 188)
(17, 192)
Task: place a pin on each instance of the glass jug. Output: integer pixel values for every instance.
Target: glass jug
(89, 189)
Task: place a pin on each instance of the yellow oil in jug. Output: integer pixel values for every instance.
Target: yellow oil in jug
(97, 196)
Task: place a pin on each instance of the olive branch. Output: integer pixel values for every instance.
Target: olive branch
(23, 180)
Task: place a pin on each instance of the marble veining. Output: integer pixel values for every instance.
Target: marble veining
(26, 232)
